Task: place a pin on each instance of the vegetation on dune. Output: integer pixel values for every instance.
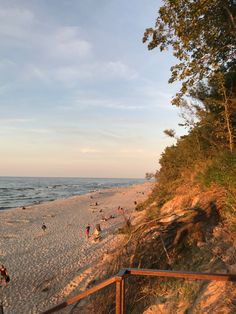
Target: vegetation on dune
(202, 35)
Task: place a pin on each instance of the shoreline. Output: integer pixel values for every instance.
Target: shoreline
(54, 195)
(46, 267)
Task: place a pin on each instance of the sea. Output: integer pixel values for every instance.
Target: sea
(23, 191)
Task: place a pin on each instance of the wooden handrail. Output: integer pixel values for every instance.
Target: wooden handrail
(82, 295)
(119, 279)
(180, 274)
(92, 290)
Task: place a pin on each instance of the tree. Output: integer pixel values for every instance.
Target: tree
(215, 108)
(170, 133)
(227, 112)
(149, 175)
(202, 34)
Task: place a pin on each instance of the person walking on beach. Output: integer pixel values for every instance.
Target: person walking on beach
(4, 275)
(44, 227)
(97, 233)
(87, 231)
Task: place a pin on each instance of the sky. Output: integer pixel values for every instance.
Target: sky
(80, 94)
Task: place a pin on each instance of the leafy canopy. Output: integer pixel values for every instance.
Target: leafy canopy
(202, 34)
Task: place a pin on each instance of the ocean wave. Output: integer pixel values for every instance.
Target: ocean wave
(16, 189)
(15, 192)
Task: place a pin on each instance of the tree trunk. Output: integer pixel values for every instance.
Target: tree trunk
(227, 117)
(232, 21)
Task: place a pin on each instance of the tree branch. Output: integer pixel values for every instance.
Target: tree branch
(233, 23)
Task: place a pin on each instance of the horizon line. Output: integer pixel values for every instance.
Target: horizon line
(82, 177)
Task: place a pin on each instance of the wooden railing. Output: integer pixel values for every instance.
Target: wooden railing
(119, 280)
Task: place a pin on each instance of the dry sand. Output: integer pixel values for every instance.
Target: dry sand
(48, 267)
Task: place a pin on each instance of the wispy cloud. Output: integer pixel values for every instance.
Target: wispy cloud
(131, 151)
(15, 22)
(66, 43)
(92, 71)
(89, 150)
(71, 88)
(71, 74)
(83, 101)
(34, 72)
(57, 42)
(14, 120)
(21, 131)
(155, 92)
(116, 69)
(59, 54)
(6, 63)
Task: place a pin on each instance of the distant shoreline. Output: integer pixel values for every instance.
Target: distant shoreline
(16, 192)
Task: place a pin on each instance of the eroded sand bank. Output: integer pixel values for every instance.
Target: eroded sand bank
(47, 267)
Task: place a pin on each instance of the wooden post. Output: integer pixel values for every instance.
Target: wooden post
(123, 296)
(120, 296)
(1, 309)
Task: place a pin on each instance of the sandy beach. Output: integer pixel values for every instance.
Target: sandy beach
(47, 267)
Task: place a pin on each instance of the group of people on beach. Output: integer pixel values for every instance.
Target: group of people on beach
(97, 230)
(4, 277)
(96, 234)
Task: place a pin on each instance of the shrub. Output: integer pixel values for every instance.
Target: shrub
(222, 171)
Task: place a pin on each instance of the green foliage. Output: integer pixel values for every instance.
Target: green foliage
(210, 118)
(178, 161)
(126, 230)
(215, 108)
(170, 133)
(149, 175)
(181, 290)
(229, 214)
(222, 171)
(202, 35)
(139, 207)
(152, 212)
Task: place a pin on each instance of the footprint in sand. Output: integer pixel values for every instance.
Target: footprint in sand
(50, 216)
(9, 236)
(45, 285)
(2, 254)
(71, 286)
(17, 221)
